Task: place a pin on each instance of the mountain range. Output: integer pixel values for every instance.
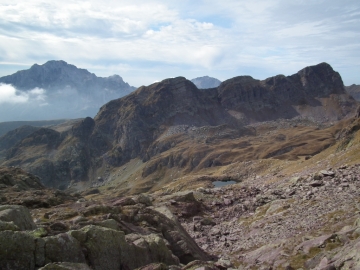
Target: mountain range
(163, 123)
(251, 174)
(57, 90)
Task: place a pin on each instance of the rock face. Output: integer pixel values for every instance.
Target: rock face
(206, 82)
(70, 92)
(160, 117)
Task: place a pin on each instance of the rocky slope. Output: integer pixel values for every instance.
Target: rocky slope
(206, 82)
(173, 126)
(9, 126)
(84, 233)
(67, 92)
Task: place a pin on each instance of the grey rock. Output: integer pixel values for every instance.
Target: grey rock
(19, 215)
(316, 183)
(327, 173)
(63, 248)
(17, 250)
(144, 199)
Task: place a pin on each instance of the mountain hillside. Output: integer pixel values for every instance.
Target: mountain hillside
(8, 126)
(206, 82)
(173, 126)
(56, 90)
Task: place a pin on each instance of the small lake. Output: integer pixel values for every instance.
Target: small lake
(222, 183)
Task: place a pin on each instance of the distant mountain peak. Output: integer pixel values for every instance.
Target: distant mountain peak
(206, 82)
(68, 91)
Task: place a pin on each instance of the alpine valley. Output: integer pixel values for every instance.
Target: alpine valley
(180, 174)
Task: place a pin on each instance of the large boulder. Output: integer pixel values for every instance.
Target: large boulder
(63, 248)
(181, 243)
(109, 249)
(17, 250)
(153, 249)
(19, 215)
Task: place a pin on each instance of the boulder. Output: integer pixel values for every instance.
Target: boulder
(104, 247)
(63, 248)
(124, 201)
(144, 199)
(327, 173)
(19, 215)
(17, 250)
(159, 252)
(108, 249)
(181, 243)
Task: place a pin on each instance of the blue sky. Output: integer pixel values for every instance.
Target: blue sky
(146, 41)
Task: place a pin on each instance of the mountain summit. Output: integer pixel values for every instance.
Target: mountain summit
(66, 92)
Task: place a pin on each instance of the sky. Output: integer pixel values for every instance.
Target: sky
(145, 41)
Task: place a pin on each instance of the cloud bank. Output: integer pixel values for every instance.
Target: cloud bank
(10, 95)
(144, 41)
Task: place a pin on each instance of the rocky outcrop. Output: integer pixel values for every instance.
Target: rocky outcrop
(102, 246)
(108, 235)
(18, 187)
(18, 178)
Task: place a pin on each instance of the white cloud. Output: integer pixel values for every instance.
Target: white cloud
(9, 94)
(231, 36)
